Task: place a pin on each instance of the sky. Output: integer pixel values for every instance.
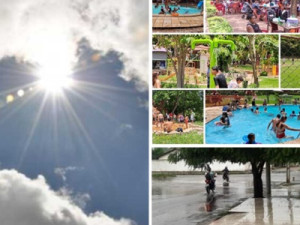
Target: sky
(79, 156)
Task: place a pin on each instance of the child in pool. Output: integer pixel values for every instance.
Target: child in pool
(251, 139)
(224, 120)
(293, 114)
(256, 111)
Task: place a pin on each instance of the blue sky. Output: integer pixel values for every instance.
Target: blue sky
(109, 156)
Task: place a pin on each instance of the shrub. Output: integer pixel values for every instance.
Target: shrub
(218, 24)
(264, 73)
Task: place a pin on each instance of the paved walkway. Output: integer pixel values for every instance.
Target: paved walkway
(212, 112)
(239, 25)
(260, 211)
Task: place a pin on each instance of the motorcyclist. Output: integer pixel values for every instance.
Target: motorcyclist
(226, 174)
(210, 180)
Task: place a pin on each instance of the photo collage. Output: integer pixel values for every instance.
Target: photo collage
(225, 119)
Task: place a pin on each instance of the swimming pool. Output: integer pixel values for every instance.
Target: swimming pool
(182, 10)
(244, 122)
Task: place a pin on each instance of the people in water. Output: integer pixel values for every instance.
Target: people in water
(251, 139)
(283, 112)
(226, 107)
(281, 127)
(274, 121)
(293, 114)
(256, 111)
(224, 120)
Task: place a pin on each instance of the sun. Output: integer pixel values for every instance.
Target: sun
(54, 78)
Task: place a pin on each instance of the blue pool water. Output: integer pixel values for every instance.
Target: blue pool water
(182, 10)
(244, 122)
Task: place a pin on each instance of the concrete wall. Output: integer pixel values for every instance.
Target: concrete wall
(163, 165)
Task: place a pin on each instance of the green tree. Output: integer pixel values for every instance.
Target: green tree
(179, 102)
(257, 157)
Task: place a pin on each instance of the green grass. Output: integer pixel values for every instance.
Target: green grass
(290, 74)
(272, 99)
(185, 138)
(243, 67)
(268, 82)
(199, 123)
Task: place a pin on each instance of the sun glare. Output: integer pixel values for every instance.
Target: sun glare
(54, 79)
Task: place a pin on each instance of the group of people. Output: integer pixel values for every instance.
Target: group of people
(265, 10)
(220, 79)
(166, 122)
(278, 123)
(165, 8)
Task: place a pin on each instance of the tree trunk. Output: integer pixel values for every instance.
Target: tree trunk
(257, 181)
(288, 174)
(294, 8)
(252, 52)
(176, 104)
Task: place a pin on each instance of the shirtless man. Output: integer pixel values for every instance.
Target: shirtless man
(274, 121)
(168, 126)
(160, 120)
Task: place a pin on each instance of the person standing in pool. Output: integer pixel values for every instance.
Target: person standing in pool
(274, 121)
(282, 112)
(256, 111)
(219, 78)
(281, 127)
(253, 102)
(265, 103)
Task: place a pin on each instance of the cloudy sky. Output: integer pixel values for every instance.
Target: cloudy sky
(79, 157)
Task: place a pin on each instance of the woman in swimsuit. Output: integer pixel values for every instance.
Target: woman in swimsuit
(281, 126)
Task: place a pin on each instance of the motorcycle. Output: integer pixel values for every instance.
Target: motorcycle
(226, 179)
(210, 185)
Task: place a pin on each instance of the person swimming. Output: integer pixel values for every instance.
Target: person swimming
(256, 111)
(251, 139)
(281, 127)
(265, 109)
(293, 114)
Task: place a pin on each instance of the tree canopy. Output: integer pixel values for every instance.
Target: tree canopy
(179, 102)
(257, 157)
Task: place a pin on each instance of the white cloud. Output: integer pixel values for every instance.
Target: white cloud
(47, 32)
(125, 126)
(143, 103)
(80, 199)
(25, 201)
(62, 172)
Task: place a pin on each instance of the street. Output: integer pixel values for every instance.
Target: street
(182, 200)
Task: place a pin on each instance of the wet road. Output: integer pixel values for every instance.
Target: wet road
(182, 200)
